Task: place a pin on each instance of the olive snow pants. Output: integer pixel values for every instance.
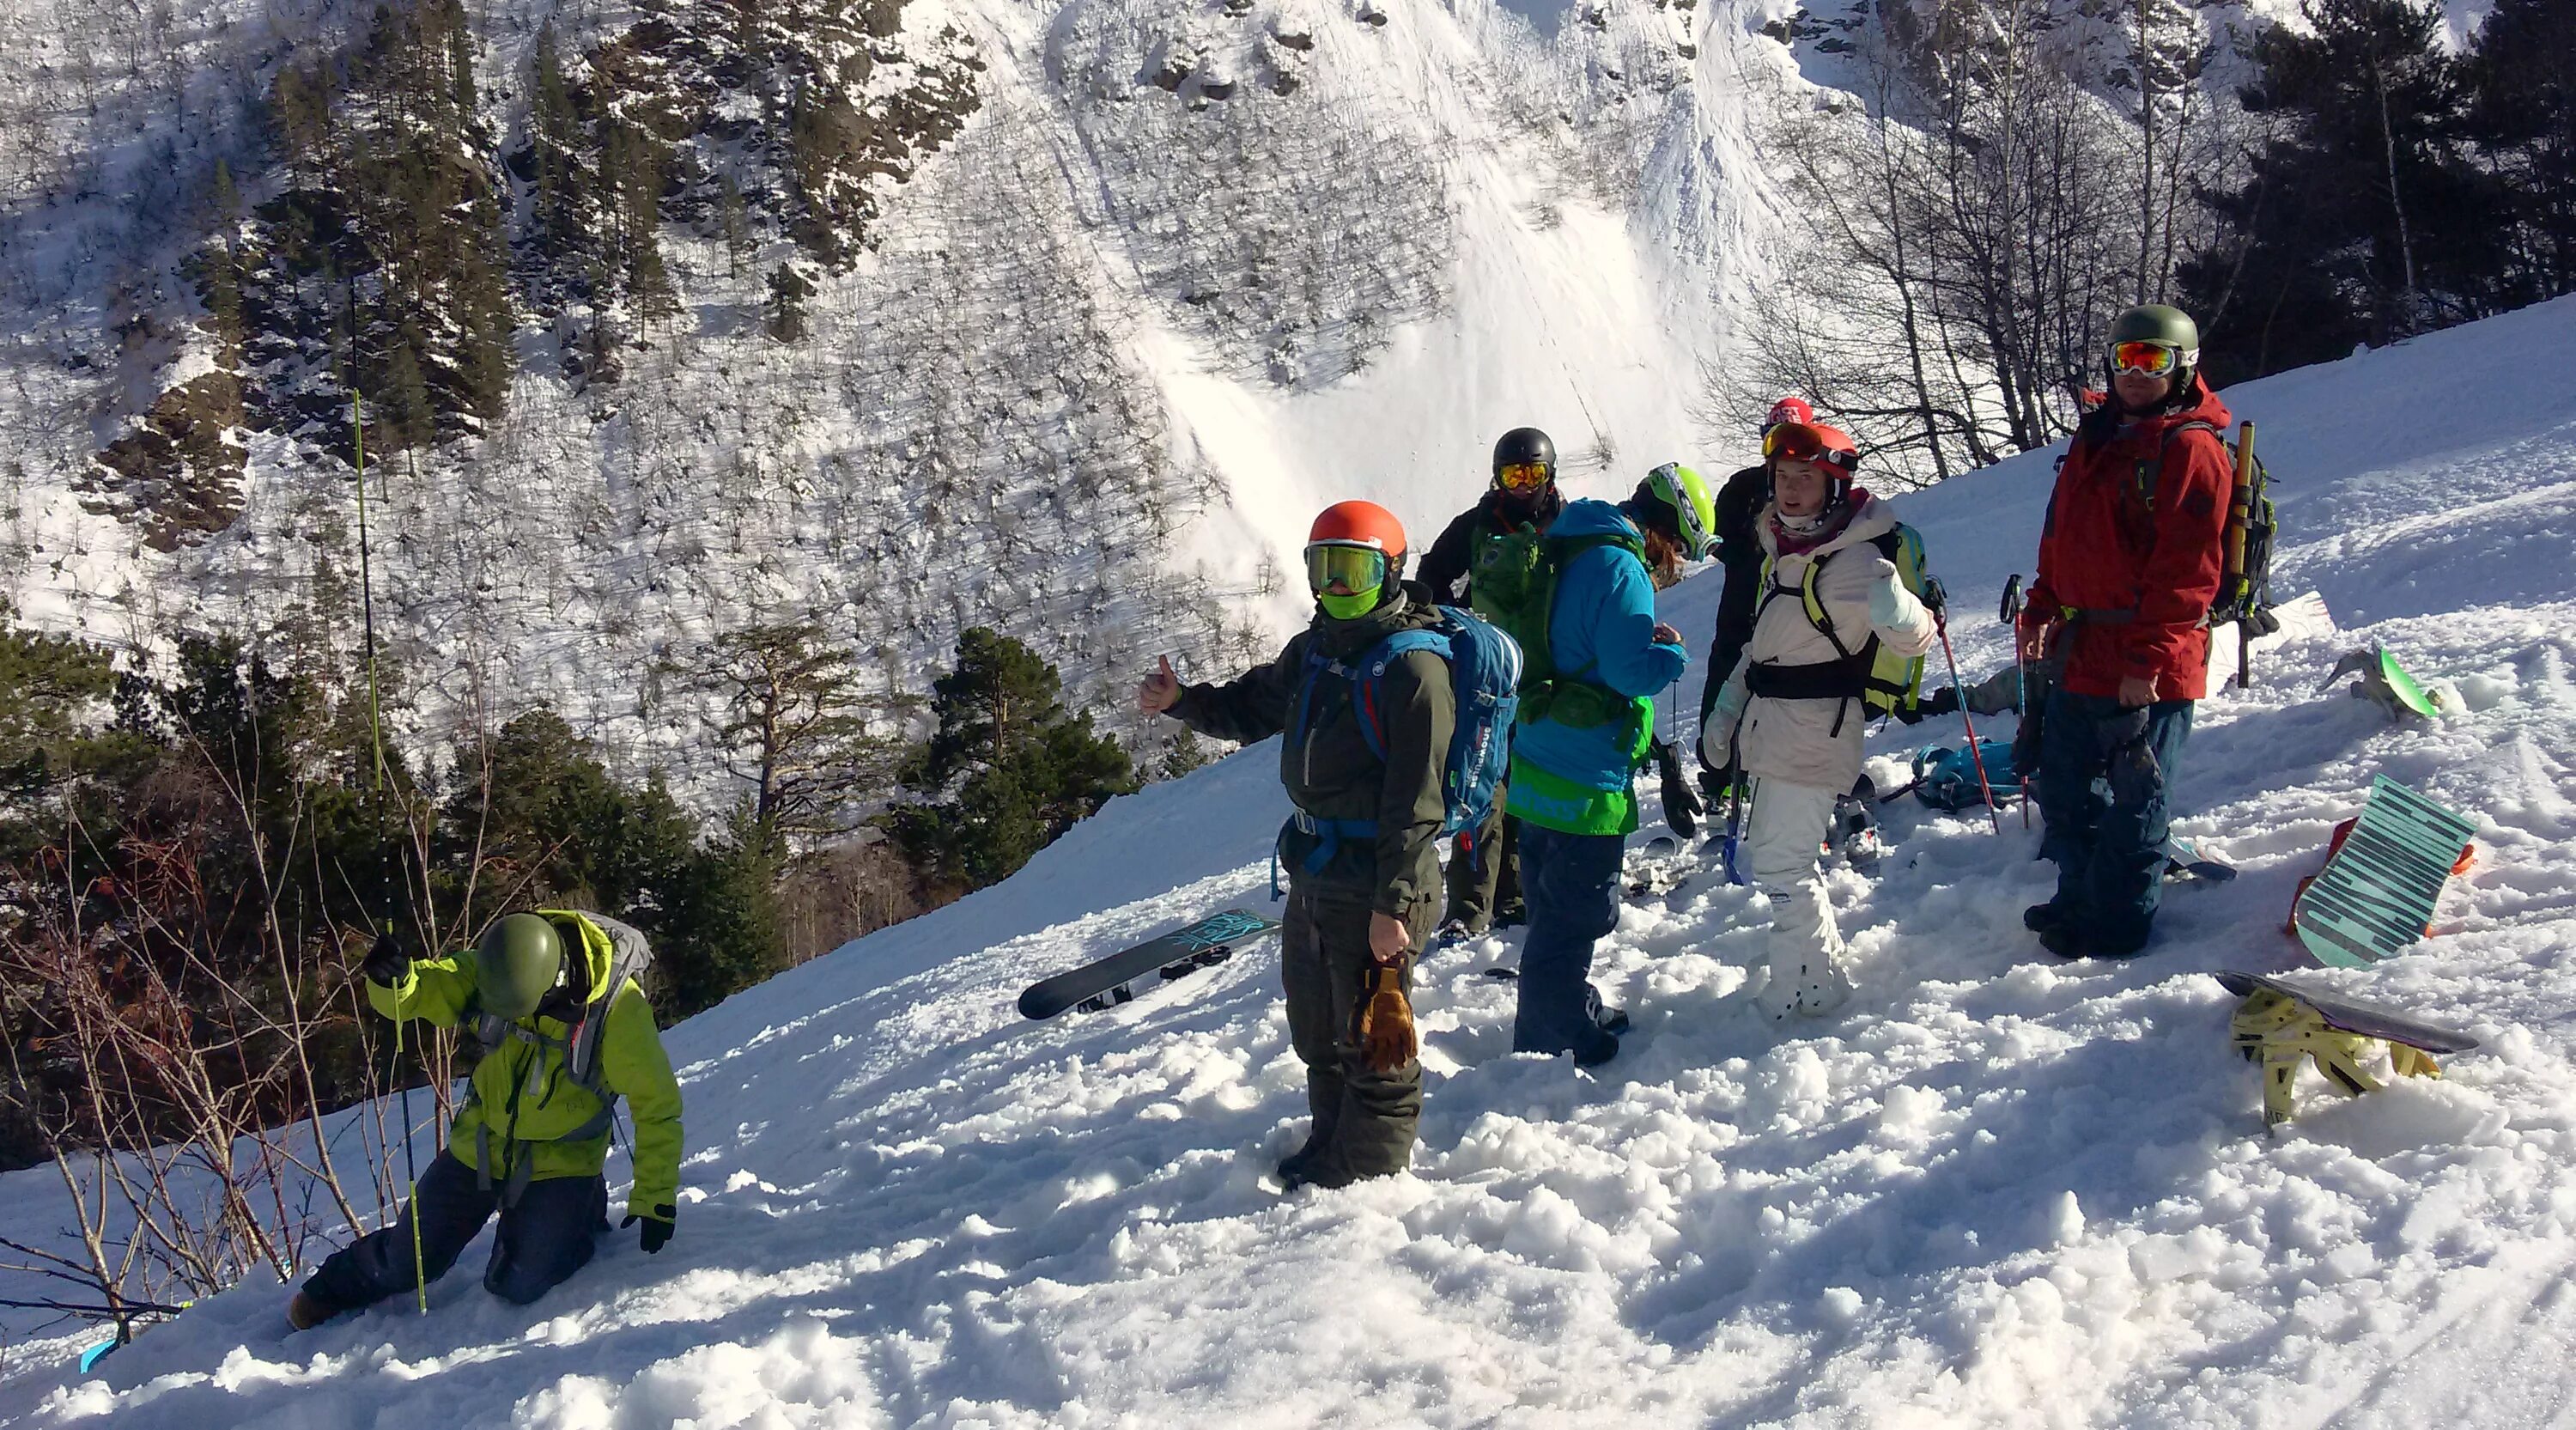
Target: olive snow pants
(1485, 870)
(545, 1237)
(1364, 1119)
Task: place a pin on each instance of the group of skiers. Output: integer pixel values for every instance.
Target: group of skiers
(1825, 611)
(1814, 615)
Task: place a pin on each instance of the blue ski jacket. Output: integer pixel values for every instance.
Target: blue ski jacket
(1602, 630)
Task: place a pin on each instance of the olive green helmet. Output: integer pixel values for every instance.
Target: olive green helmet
(2164, 326)
(518, 963)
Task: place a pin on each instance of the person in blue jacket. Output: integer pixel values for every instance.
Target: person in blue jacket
(1583, 733)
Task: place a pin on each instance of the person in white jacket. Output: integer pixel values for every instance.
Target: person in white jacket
(1792, 714)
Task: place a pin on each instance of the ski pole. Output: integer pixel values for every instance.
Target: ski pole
(385, 923)
(2011, 617)
(1941, 623)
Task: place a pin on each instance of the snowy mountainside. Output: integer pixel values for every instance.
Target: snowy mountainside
(1184, 274)
(1995, 1190)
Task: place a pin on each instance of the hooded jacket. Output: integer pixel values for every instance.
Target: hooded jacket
(1798, 741)
(524, 1098)
(1330, 773)
(1600, 629)
(2140, 575)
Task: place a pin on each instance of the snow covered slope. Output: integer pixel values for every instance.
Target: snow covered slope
(1997, 1190)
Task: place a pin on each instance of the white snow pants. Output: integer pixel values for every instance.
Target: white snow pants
(1784, 828)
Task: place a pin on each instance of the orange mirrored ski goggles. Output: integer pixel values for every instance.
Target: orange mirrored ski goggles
(1523, 476)
(2152, 359)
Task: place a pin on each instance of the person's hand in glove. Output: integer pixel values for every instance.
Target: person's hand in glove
(1891, 606)
(1385, 1033)
(1717, 735)
(1681, 803)
(385, 962)
(658, 1226)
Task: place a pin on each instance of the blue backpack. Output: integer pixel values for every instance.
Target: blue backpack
(1484, 676)
(1945, 778)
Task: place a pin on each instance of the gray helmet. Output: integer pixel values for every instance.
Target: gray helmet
(2167, 326)
(519, 962)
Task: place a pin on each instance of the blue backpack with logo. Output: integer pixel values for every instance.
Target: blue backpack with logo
(1484, 677)
(1945, 778)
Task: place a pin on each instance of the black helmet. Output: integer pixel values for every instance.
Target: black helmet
(1525, 446)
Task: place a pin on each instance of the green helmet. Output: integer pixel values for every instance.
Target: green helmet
(2166, 327)
(1680, 491)
(519, 962)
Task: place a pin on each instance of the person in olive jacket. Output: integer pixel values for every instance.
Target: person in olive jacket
(1362, 850)
(552, 997)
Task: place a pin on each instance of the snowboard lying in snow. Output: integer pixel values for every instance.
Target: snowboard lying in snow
(1103, 981)
(2282, 1025)
(2382, 878)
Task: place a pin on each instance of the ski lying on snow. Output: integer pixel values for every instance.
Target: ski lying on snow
(1203, 944)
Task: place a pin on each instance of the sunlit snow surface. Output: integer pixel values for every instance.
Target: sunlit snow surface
(1996, 1190)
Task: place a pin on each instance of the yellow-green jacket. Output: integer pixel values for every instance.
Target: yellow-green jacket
(527, 1117)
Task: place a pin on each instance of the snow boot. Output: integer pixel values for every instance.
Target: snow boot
(1613, 1021)
(1598, 1053)
(2040, 918)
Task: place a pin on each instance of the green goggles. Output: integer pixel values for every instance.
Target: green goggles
(1353, 568)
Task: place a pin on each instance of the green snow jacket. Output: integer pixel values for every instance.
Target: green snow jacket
(525, 1103)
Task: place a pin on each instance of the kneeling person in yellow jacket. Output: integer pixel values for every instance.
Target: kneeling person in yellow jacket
(552, 998)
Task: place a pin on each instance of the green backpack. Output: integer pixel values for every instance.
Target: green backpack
(1512, 583)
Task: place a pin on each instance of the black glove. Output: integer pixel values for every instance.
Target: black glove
(386, 963)
(1681, 803)
(657, 1227)
(1933, 595)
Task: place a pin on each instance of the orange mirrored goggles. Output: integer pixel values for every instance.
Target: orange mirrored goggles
(1798, 442)
(2152, 359)
(1524, 476)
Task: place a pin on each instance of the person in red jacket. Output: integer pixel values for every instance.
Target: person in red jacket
(2129, 564)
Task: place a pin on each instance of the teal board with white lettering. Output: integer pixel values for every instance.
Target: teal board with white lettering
(2376, 895)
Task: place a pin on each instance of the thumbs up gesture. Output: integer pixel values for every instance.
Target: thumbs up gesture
(1156, 692)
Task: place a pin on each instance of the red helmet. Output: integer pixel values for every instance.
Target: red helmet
(1360, 523)
(1789, 409)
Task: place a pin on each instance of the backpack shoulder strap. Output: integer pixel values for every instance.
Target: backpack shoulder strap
(1439, 640)
(2151, 472)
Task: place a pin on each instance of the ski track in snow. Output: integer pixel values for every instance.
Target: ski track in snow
(1996, 1190)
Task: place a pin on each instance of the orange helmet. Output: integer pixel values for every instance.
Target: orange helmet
(1360, 523)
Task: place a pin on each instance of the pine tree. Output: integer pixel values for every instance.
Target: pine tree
(734, 219)
(221, 269)
(794, 725)
(404, 411)
(2360, 223)
(788, 291)
(1007, 771)
(561, 236)
(2522, 83)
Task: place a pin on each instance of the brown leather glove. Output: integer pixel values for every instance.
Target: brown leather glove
(1385, 1034)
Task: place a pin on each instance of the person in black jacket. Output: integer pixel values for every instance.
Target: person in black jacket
(1362, 850)
(1739, 551)
(1484, 867)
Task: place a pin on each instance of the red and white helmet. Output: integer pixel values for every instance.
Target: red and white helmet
(1788, 410)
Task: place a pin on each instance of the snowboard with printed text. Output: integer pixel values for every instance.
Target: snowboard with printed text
(1209, 941)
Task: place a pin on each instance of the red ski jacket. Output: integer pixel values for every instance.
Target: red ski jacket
(2132, 570)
